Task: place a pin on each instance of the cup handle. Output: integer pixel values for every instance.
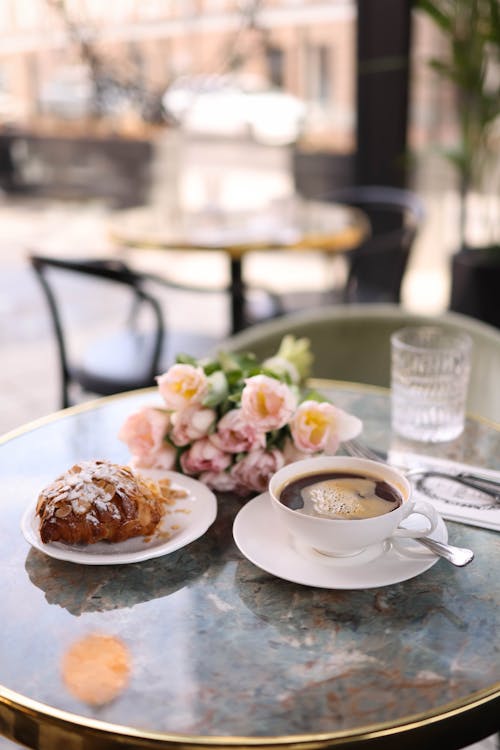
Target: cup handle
(421, 508)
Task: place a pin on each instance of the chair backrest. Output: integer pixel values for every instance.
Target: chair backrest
(378, 265)
(353, 343)
(116, 273)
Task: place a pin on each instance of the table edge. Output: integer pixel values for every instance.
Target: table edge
(19, 714)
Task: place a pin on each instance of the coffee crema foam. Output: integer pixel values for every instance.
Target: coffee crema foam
(340, 495)
(346, 498)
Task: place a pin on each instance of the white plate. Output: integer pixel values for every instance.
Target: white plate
(267, 544)
(191, 516)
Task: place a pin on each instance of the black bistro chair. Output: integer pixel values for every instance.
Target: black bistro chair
(377, 266)
(115, 356)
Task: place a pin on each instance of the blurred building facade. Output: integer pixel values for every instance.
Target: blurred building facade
(307, 48)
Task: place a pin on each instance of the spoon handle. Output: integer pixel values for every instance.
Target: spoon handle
(459, 556)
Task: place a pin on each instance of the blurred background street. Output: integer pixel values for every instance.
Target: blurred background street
(211, 108)
(208, 107)
(29, 378)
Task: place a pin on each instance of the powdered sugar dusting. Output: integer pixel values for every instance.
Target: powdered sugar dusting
(99, 500)
(87, 485)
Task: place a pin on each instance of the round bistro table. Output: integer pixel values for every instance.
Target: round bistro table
(225, 655)
(296, 225)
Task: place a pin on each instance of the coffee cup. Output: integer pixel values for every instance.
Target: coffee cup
(341, 527)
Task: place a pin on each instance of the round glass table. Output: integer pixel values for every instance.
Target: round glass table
(295, 224)
(223, 654)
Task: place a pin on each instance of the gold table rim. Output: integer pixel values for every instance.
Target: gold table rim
(341, 240)
(65, 721)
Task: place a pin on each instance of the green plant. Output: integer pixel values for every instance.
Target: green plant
(472, 65)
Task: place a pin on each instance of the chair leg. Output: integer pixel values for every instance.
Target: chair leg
(65, 400)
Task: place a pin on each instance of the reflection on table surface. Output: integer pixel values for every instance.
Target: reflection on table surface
(288, 224)
(215, 646)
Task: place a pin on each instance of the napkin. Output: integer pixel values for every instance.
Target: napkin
(452, 500)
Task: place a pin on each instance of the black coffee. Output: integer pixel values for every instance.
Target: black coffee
(333, 494)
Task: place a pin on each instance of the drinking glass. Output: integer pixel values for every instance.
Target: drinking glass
(430, 368)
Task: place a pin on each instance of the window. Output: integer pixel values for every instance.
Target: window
(275, 65)
(318, 73)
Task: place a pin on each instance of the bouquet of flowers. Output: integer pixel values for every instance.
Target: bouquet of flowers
(232, 422)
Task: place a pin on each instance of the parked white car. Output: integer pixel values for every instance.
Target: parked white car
(226, 105)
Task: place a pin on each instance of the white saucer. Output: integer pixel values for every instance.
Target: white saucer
(266, 544)
(187, 520)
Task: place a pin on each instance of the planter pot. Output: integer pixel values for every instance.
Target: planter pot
(475, 283)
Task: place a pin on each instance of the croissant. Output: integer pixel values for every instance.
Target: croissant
(98, 501)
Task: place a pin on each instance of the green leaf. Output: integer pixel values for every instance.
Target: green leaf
(247, 361)
(298, 353)
(179, 453)
(494, 32)
(314, 395)
(211, 366)
(232, 362)
(186, 359)
(218, 389)
(438, 15)
(234, 377)
(443, 68)
(276, 438)
(282, 377)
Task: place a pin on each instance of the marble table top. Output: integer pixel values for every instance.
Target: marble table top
(226, 654)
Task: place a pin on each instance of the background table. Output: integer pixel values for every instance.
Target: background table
(294, 224)
(224, 654)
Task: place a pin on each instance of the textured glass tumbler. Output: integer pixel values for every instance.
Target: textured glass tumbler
(430, 368)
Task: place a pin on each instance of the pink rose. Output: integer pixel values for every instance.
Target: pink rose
(163, 459)
(256, 468)
(192, 423)
(266, 403)
(182, 385)
(144, 433)
(320, 427)
(221, 481)
(236, 435)
(291, 453)
(203, 456)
